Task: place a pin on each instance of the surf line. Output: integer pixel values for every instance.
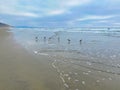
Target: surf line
(53, 64)
(60, 74)
(44, 54)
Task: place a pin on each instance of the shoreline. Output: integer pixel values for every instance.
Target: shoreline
(21, 70)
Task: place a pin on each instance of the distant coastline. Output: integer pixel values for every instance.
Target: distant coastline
(4, 25)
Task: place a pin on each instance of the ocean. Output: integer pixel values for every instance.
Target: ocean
(74, 49)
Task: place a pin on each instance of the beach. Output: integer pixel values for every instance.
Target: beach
(20, 70)
(51, 69)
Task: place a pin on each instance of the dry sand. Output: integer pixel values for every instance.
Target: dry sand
(20, 70)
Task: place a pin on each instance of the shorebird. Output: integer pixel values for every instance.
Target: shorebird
(68, 41)
(58, 39)
(80, 41)
(44, 39)
(36, 38)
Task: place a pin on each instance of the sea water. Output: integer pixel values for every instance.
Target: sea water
(95, 43)
(98, 51)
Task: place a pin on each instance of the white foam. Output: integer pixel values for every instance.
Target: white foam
(66, 75)
(118, 65)
(69, 78)
(45, 54)
(83, 82)
(71, 61)
(53, 65)
(99, 71)
(89, 71)
(76, 73)
(76, 80)
(110, 78)
(108, 71)
(89, 63)
(98, 81)
(62, 79)
(85, 73)
(35, 52)
(103, 79)
(66, 85)
(61, 74)
(114, 56)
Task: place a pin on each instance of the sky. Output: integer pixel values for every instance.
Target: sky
(60, 13)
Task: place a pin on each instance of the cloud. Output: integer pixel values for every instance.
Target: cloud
(70, 12)
(26, 14)
(103, 21)
(56, 12)
(22, 14)
(70, 3)
(116, 24)
(94, 20)
(64, 6)
(13, 8)
(38, 7)
(95, 17)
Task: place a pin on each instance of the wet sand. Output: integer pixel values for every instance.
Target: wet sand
(82, 73)
(23, 70)
(20, 70)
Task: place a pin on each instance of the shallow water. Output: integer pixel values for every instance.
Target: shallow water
(92, 64)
